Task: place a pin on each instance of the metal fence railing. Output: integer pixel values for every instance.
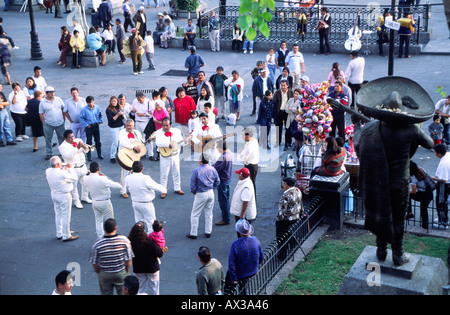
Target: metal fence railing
(281, 250)
(284, 23)
(354, 210)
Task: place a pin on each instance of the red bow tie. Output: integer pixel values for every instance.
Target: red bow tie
(130, 135)
(75, 144)
(168, 134)
(205, 128)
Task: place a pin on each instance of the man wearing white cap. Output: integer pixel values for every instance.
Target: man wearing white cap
(52, 117)
(304, 81)
(245, 255)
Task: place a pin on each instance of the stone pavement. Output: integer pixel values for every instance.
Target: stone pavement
(30, 254)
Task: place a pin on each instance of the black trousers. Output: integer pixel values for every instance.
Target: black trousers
(191, 40)
(253, 168)
(127, 22)
(324, 41)
(339, 123)
(94, 132)
(76, 58)
(355, 88)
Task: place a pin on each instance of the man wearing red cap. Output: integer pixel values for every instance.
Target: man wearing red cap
(127, 137)
(243, 202)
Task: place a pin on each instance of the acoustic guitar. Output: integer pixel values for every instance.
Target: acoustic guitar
(170, 151)
(208, 142)
(125, 157)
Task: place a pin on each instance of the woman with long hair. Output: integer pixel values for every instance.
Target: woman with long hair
(336, 74)
(333, 157)
(145, 260)
(116, 118)
(205, 97)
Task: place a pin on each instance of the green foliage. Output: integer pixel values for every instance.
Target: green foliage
(254, 15)
(441, 92)
(187, 5)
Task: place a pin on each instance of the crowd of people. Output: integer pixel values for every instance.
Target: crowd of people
(198, 104)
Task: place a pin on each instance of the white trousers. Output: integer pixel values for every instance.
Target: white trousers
(124, 173)
(202, 201)
(148, 279)
(62, 204)
(170, 163)
(140, 126)
(103, 210)
(81, 172)
(214, 40)
(144, 212)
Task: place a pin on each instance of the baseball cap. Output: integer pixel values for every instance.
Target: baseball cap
(49, 89)
(244, 172)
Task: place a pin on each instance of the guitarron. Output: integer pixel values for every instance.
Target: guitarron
(126, 157)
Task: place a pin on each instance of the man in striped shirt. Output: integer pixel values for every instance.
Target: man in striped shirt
(111, 258)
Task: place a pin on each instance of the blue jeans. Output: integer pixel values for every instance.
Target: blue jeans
(223, 194)
(5, 126)
(246, 43)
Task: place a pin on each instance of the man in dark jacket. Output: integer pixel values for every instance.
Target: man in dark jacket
(105, 13)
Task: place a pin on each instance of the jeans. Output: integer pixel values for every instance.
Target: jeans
(149, 57)
(48, 135)
(223, 194)
(5, 126)
(78, 131)
(246, 43)
(404, 41)
(114, 141)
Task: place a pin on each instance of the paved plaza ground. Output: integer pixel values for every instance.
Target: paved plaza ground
(31, 255)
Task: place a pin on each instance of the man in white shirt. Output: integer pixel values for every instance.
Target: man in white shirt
(73, 151)
(127, 137)
(249, 155)
(355, 74)
(243, 202)
(442, 176)
(39, 79)
(296, 63)
(51, 113)
(72, 108)
(202, 133)
(142, 188)
(442, 108)
(168, 137)
(143, 111)
(61, 185)
(99, 187)
(125, 107)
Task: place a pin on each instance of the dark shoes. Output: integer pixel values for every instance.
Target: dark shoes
(192, 237)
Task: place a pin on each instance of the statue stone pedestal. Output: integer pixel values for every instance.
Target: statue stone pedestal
(422, 275)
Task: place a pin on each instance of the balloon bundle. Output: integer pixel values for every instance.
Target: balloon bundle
(314, 114)
(349, 130)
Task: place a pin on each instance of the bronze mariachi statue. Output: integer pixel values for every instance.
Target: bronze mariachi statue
(384, 147)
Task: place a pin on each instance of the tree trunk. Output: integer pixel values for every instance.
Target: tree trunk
(447, 12)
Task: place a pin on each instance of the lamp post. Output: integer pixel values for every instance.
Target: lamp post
(36, 52)
(391, 42)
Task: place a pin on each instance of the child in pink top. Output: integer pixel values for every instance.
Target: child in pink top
(158, 234)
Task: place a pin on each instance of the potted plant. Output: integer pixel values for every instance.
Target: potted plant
(185, 7)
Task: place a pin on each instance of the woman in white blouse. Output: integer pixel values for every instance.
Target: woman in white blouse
(204, 97)
(18, 102)
(110, 41)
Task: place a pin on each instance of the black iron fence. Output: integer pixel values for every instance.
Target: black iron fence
(281, 250)
(354, 210)
(284, 25)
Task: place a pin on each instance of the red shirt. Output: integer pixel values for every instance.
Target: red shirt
(183, 109)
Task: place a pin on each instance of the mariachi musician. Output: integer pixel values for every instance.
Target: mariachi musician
(167, 139)
(324, 28)
(127, 137)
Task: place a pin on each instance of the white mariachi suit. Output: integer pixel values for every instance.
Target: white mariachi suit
(162, 140)
(99, 187)
(61, 186)
(126, 140)
(211, 130)
(142, 192)
(71, 154)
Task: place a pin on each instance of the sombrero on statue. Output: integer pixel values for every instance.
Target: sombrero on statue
(396, 100)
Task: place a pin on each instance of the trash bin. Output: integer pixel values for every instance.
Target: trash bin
(288, 168)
